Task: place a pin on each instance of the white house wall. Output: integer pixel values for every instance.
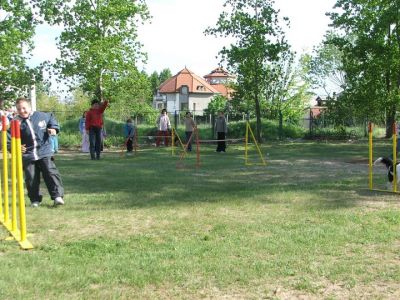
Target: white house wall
(172, 102)
(201, 101)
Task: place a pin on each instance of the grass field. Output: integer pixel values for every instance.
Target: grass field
(138, 227)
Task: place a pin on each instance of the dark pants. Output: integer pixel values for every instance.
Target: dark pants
(95, 142)
(189, 140)
(164, 134)
(51, 176)
(129, 144)
(221, 146)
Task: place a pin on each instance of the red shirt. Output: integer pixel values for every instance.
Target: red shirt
(94, 117)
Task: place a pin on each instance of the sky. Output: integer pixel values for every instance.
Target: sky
(175, 37)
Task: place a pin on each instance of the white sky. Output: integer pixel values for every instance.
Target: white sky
(175, 38)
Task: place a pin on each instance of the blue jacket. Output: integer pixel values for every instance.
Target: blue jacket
(35, 136)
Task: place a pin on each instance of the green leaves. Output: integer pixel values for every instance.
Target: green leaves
(17, 25)
(99, 43)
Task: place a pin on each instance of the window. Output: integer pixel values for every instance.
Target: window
(184, 106)
(184, 90)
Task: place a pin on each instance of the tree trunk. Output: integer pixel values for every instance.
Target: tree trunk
(390, 118)
(280, 124)
(258, 118)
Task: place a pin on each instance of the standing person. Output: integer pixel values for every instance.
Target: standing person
(93, 126)
(163, 126)
(189, 127)
(221, 129)
(129, 130)
(36, 127)
(85, 137)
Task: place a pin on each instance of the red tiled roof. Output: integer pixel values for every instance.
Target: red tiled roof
(219, 72)
(224, 90)
(186, 77)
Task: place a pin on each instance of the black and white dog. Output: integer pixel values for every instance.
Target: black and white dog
(388, 162)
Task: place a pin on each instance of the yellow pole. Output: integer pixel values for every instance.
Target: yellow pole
(394, 157)
(3, 123)
(13, 178)
(245, 143)
(258, 148)
(370, 154)
(5, 174)
(24, 243)
(173, 141)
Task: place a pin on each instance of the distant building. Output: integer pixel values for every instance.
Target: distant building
(187, 91)
(219, 79)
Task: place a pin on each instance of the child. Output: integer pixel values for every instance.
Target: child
(129, 129)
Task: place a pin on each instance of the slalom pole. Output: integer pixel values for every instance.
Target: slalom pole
(173, 141)
(5, 156)
(246, 143)
(394, 130)
(14, 154)
(5, 168)
(24, 243)
(370, 154)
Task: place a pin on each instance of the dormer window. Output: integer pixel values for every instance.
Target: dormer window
(200, 88)
(184, 90)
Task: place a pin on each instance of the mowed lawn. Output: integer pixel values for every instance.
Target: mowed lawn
(148, 227)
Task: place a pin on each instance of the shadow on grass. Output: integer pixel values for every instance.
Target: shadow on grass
(296, 173)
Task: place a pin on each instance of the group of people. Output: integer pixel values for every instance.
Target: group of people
(164, 127)
(38, 129)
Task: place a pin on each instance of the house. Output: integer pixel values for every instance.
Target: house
(188, 91)
(184, 91)
(316, 108)
(219, 79)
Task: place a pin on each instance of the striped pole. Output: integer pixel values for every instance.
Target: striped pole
(246, 140)
(13, 177)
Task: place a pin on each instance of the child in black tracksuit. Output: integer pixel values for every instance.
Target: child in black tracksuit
(36, 128)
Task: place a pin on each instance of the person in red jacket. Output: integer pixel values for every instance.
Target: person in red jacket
(93, 126)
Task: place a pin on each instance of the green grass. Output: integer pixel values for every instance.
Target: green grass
(139, 227)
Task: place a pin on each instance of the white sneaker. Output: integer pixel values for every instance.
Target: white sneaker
(35, 204)
(59, 201)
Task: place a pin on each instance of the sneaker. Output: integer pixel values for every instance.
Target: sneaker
(59, 201)
(35, 204)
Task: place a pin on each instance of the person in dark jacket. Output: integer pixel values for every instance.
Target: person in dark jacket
(36, 128)
(94, 125)
(221, 129)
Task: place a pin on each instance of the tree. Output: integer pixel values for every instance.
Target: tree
(157, 79)
(98, 45)
(326, 66)
(372, 59)
(254, 24)
(17, 27)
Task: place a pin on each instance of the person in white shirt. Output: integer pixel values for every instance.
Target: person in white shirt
(164, 127)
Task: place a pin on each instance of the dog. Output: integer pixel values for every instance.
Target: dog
(388, 162)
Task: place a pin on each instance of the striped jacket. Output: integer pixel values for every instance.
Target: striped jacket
(35, 136)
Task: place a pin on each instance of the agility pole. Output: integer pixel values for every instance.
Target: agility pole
(246, 148)
(370, 159)
(17, 187)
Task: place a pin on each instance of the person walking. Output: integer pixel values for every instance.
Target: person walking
(93, 126)
(163, 126)
(221, 129)
(189, 127)
(129, 130)
(36, 128)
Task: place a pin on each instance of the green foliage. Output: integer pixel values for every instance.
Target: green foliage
(17, 27)
(259, 41)
(157, 79)
(98, 45)
(217, 103)
(371, 57)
